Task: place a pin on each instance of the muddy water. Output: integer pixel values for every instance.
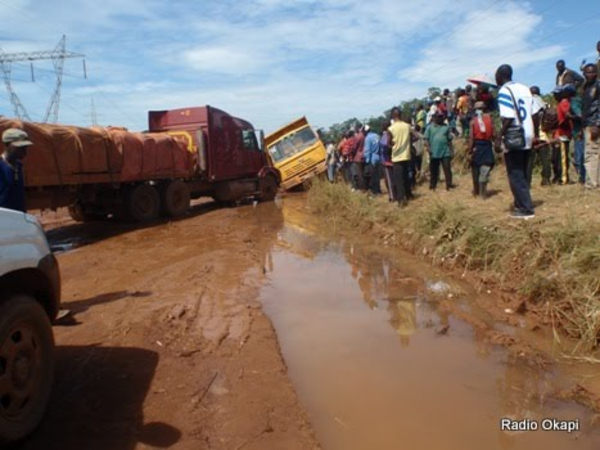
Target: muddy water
(378, 365)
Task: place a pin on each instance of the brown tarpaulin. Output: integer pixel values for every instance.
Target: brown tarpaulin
(67, 155)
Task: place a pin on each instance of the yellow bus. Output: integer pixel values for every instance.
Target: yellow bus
(297, 152)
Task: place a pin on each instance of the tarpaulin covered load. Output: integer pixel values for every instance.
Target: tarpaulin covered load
(66, 155)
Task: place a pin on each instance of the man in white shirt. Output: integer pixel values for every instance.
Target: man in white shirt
(515, 98)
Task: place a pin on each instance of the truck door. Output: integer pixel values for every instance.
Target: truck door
(254, 150)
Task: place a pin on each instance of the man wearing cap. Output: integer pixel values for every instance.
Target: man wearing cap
(12, 188)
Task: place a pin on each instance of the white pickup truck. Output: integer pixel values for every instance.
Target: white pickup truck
(29, 302)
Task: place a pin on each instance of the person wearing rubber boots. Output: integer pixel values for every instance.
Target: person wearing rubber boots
(481, 149)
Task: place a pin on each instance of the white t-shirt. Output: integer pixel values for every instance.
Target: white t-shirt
(526, 105)
(432, 110)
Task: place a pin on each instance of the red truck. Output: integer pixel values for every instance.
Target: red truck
(187, 154)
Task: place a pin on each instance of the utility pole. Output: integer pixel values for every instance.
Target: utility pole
(94, 114)
(58, 56)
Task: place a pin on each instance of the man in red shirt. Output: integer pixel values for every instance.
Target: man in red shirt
(345, 148)
(358, 160)
(564, 132)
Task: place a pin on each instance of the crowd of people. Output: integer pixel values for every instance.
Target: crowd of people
(525, 130)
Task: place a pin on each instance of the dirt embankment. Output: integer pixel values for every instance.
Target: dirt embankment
(167, 345)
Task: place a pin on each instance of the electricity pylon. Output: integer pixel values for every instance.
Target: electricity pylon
(58, 56)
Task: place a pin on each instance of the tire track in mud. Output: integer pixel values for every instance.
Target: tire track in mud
(187, 292)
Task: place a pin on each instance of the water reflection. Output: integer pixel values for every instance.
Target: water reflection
(345, 362)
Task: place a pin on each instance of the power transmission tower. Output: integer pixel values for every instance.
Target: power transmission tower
(58, 56)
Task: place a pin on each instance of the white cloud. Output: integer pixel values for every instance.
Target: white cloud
(225, 60)
(265, 60)
(503, 36)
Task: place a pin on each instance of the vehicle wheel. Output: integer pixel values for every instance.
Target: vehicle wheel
(26, 366)
(142, 203)
(268, 188)
(175, 199)
(79, 214)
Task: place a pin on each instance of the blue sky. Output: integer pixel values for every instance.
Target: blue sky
(271, 61)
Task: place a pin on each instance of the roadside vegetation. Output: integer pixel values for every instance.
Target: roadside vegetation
(551, 263)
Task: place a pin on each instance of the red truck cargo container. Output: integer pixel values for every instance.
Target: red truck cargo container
(189, 153)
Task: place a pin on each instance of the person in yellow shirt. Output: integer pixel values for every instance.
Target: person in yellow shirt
(400, 133)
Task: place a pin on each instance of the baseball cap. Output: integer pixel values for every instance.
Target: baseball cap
(437, 99)
(16, 137)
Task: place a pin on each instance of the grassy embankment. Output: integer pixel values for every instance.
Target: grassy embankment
(552, 261)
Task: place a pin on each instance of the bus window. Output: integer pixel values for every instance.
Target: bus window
(292, 144)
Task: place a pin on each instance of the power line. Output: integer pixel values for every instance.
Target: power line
(57, 56)
(49, 71)
(78, 112)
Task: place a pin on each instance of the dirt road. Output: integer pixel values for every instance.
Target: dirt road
(167, 345)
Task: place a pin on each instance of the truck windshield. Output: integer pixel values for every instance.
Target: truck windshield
(292, 144)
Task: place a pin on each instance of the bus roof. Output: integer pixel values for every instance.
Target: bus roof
(277, 135)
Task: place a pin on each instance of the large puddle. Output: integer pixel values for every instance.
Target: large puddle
(378, 365)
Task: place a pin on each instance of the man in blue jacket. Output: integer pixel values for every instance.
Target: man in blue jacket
(372, 161)
(12, 187)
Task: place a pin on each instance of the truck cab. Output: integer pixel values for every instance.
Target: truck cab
(29, 302)
(230, 158)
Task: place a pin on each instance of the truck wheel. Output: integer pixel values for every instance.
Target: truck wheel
(175, 199)
(26, 366)
(142, 203)
(79, 214)
(268, 188)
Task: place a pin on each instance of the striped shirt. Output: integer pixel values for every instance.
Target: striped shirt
(525, 104)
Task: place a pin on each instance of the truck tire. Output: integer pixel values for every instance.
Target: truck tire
(26, 366)
(79, 214)
(268, 188)
(142, 203)
(175, 199)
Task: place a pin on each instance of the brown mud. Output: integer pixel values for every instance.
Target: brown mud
(168, 345)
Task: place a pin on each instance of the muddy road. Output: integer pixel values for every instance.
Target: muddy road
(176, 329)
